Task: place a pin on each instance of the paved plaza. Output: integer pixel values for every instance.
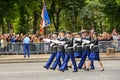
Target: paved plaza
(35, 71)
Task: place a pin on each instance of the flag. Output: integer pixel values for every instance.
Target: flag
(45, 19)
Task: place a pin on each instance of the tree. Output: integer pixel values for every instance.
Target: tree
(72, 8)
(91, 15)
(7, 14)
(112, 10)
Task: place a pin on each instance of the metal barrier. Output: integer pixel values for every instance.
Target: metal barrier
(103, 45)
(17, 48)
(42, 47)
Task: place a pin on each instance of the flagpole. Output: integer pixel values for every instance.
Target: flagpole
(43, 1)
(45, 28)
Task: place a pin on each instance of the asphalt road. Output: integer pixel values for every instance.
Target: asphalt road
(35, 71)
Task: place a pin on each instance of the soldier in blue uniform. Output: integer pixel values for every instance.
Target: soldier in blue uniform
(61, 51)
(69, 53)
(95, 52)
(53, 49)
(77, 46)
(86, 50)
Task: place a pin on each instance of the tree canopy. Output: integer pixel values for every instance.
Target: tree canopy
(24, 16)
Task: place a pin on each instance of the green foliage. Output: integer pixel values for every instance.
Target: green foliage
(112, 10)
(24, 16)
(92, 15)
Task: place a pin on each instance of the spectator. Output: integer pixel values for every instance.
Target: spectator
(26, 42)
(115, 39)
(36, 43)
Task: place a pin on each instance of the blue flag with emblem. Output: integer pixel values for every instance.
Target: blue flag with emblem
(45, 19)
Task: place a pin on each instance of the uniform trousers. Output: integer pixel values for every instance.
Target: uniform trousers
(49, 62)
(67, 57)
(60, 54)
(84, 56)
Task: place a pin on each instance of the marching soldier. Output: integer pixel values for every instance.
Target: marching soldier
(53, 49)
(77, 46)
(69, 53)
(86, 50)
(61, 51)
(95, 52)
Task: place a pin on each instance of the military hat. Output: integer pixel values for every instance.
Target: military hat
(55, 33)
(79, 33)
(63, 32)
(95, 33)
(68, 32)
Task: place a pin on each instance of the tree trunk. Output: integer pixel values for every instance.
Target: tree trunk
(3, 27)
(101, 26)
(57, 23)
(35, 22)
(73, 17)
(9, 26)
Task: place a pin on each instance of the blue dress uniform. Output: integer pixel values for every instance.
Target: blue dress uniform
(95, 50)
(69, 55)
(78, 48)
(53, 52)
(95, 53)
(26, 43)
(86, 52)
(60, 53)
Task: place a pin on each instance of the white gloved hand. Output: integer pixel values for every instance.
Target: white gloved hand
(86, 41)
(65, 46)
(47, 40)
(83, 44)
(51, 44)
(91, 46)
(74, 45)
(77, 39)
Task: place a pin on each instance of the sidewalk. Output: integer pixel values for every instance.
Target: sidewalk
(44, 58)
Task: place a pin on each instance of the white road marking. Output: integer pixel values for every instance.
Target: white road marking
(7, 73)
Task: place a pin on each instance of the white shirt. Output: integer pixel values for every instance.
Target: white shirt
(26, 40)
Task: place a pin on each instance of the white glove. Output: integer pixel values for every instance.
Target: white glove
(51, 44)
(65, 46)
(74, 45)
(78, 39)
(83, 44)
(62, 42)
(86, 41)
(47, 40)
(91, 46)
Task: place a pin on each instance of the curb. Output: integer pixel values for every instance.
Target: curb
(32, 60)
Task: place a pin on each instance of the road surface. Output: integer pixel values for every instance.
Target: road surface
(35, 71)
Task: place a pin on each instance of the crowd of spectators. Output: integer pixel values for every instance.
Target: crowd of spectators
(8, 42)
(16, 38)
(12, 37)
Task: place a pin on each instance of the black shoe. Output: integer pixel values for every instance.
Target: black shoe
(79, 68)
(102, 69)
(66, 69)
(75, 71)
(61, 70)
(86, 69)
(52, 68)
(45, 67)
(92, 69)
(70, 66)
